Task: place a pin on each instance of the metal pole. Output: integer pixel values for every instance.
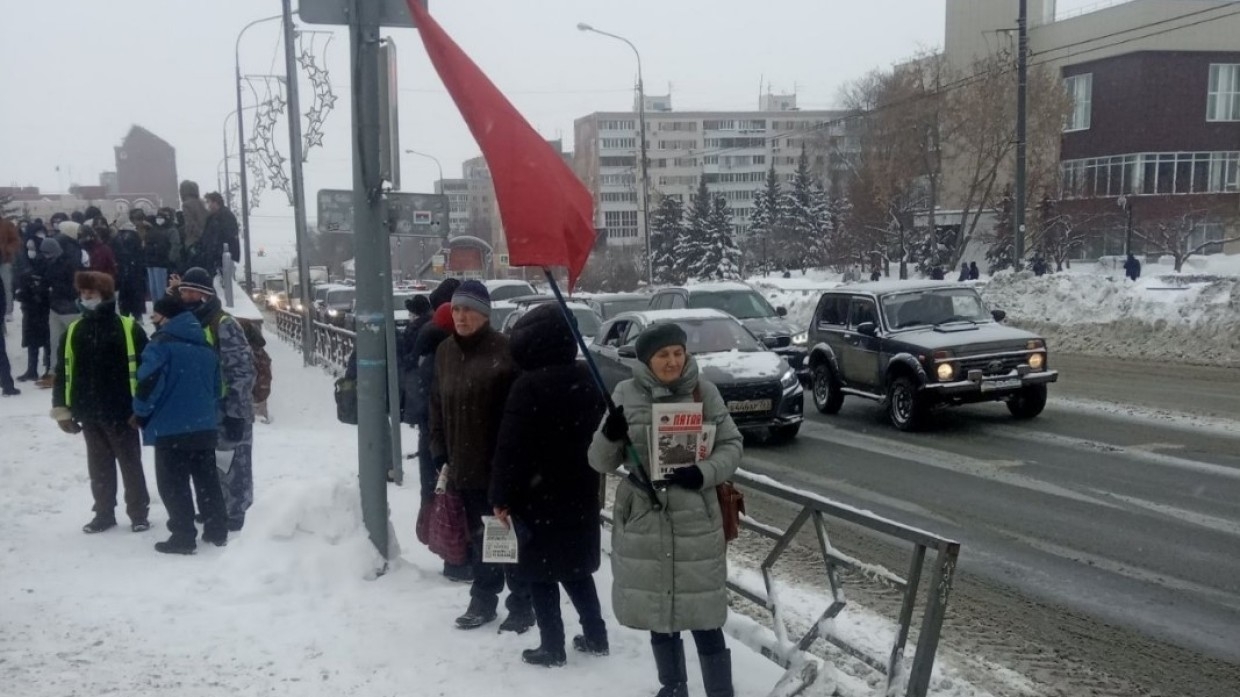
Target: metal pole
(432, 158)
(245, 195)
(373, 274)
(299, 193)
(227, 178)
(1022, 136)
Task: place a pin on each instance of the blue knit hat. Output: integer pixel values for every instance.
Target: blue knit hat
(473, 295)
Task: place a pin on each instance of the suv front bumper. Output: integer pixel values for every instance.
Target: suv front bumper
(993, 385)
(795, 356)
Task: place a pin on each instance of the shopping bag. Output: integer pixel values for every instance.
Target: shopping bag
(449, 530)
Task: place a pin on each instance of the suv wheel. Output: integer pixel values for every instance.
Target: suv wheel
(827, 395)
(905, 407)
(1028, 402)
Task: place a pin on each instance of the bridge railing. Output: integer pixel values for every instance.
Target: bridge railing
(332, 346)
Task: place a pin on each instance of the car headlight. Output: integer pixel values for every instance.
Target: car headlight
(333, 313)
(788, 379)
(1037, 361)
(800, 339)
(945, 372)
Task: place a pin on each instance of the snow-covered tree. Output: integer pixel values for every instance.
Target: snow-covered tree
(690, 247)
(1002, 252)
(764, 224)
(667, 227)
(805, 212)
(719, 259)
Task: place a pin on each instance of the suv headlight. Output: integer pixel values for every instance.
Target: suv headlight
(945, 372)
(801, 339)
(333, 313)
(788, 379)
(1037, 361)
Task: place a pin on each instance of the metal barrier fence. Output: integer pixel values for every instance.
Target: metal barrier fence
(332, 346)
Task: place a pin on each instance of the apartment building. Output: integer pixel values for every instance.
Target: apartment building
(1156, 115)
(732, 150)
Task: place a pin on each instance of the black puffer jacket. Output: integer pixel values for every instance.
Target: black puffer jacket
(100, 391)
(541, 472)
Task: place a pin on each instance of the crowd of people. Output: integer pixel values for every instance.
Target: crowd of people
(191, 389)
(519, 429)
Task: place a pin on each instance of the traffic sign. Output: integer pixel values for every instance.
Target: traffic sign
(392, 13)
(409, 215)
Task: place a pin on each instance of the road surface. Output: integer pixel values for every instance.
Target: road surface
(1101, 541)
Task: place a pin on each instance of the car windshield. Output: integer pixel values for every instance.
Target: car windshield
(340, 297)
(507, 292)
(931, 307)
(612, 308)
(717, 335)
(274, 285)
(741, 304)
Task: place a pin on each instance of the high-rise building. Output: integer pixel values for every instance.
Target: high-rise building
(732, 150)
(147, 163)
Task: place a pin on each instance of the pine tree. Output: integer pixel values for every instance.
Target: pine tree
(667, 227)
(821, 226)
(720, 257)
(764, 224)
(691, 249)
(1002, 251)
(801, 215)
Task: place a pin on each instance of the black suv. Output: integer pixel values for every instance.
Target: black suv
(744, 303)
(914, 346)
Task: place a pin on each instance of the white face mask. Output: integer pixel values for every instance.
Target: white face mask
(160, 221)
(32, 254)
(91, 304)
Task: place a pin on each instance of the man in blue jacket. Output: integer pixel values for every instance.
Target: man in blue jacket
(175, 405)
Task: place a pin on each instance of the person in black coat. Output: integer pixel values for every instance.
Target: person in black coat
(419, 308)
(974, 273)
(130, 271)
(1132, 268)
(32, 295)
(542, 483)
(964, 273)
(224, 224)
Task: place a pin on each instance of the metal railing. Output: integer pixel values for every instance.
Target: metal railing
(332, 346)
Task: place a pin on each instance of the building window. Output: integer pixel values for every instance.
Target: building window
(618, 179)
(629, 161)
(619, 143)
(719, 125)
(678, 126)
(1223, 103)
(618, 197)
(1081, 90)
(1164, 173)
(685, 162)
(677, 144)
(611, 125)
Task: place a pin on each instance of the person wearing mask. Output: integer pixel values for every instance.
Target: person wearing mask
(61, 296)
(543, 486)
(130, 271)
(99, 253)
(194, 217)
(473, 371)
(235, 447)
(175, 406)
(141, 224)
(32, 294)
(670, 566)
(161, 252)
(11, 248)
(67, 237)
(223, 224)
(96, 377)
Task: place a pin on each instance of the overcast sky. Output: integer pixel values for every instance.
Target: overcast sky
(99, 67)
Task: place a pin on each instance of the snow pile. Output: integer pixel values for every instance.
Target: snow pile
(799, 294)
(1191, 318)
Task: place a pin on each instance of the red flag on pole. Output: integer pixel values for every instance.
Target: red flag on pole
(548, 214)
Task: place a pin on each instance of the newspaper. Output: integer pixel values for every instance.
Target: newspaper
(499, 542)
(675, 438)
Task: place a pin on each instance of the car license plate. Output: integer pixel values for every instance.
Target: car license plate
(1007, 384)
(750, 405)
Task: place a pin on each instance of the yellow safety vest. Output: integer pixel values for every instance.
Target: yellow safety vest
(127, 327)
(211, 342)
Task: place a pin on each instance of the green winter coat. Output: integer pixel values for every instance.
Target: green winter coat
(670, 566)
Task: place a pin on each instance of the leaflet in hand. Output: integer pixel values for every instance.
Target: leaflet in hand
(676, 437)
(499, 542)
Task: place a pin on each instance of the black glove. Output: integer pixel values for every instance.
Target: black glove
(686, 477)
(234, 429)
(615, 427)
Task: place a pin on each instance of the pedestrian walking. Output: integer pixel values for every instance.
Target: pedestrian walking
(473, 372)
(235, 444)
(543, 485)
(130, 271)
(876, 273)
(96, 377)
(964, 273)
(670, 565)
(32, 294)
(1132, 268)
(974, 272)
(62, 296)
(11, 248)
(161, 252)
(175, 406)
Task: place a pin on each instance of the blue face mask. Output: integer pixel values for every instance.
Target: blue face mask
(89, 305)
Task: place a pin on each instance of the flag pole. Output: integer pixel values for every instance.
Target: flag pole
(638, 474)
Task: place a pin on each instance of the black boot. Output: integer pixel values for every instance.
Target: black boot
(596, 646)
(717, 673)
(669, 660)
(99, 524)
(175, 546)
(518, 621)
(545, 657)
(476, 616)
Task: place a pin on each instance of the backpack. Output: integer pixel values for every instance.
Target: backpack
(346, 401)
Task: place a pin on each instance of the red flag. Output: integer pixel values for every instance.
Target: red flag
(548, 214)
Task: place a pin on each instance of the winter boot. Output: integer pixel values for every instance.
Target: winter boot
(518, 621)
(99, 524)
(717, 673)
(217, 539)
(476, 616)
(11, 392)
(27, 377)
(595, 647)
(175, 546)
(458, 573)
(545, 657)
(140, 525)
(669, 660)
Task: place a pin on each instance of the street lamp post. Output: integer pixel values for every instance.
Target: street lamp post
(422, 245)
(429, 157)
(645, 168)
(245, 195)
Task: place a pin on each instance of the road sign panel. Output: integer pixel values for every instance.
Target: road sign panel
(393, 13)
(409, 214)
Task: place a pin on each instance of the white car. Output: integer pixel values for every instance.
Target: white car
(507, 290)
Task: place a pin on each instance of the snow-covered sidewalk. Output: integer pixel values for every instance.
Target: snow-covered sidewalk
(286, 608)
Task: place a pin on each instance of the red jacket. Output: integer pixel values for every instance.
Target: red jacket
(102, 259)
